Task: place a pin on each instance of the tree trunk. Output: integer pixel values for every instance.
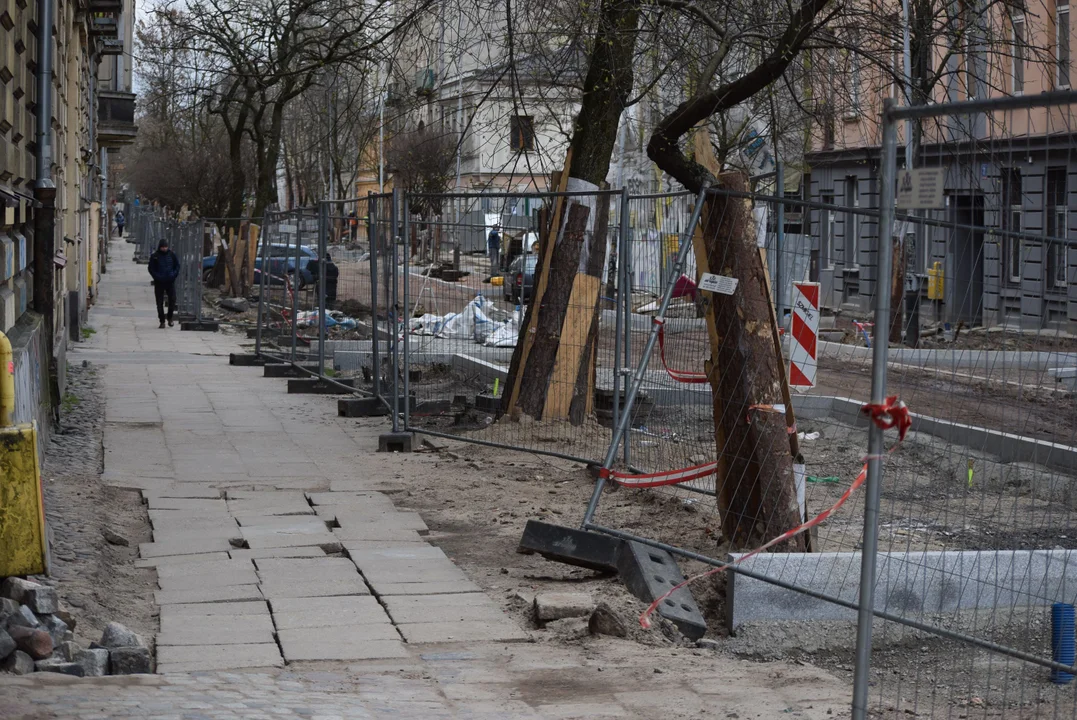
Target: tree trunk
(756, 492)
(543, 382)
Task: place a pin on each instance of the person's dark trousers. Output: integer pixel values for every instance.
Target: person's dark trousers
(119, 230)
(161, 289)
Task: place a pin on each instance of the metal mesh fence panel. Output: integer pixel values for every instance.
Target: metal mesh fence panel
(470, 279)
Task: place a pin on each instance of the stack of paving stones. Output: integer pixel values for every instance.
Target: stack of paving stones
(260, 578)
(36, 635)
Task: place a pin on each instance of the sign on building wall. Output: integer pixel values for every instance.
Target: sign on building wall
(920, 189)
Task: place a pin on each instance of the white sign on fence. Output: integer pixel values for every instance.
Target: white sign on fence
(718, 284)
(920, 189)
(288, 229)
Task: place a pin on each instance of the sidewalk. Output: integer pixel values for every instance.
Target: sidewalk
(274, 548)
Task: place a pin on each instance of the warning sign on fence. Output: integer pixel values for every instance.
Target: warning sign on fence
(804, 335)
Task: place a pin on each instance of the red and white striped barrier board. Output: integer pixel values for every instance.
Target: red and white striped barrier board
(804, 338)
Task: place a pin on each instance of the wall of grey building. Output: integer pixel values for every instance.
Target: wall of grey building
(986, 281)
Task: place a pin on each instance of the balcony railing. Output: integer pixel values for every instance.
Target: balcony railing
(116, 118)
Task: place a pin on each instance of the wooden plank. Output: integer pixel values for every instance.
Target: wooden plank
(574, 332)
(239, 262)
(531, 318)
(252, 253)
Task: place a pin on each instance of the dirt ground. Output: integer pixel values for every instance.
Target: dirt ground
(477, 499)
(95, 578)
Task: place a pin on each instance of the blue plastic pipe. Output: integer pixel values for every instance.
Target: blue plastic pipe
(1062, 640)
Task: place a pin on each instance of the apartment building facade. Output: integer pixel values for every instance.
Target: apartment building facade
(1005, 172)
(53, 176)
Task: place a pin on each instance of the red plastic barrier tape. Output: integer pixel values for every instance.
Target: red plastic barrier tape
(659, 479)
(892, 413)
(683, 376)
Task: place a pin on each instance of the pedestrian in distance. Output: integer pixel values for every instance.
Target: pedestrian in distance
(493, 247)
(164, 269)
(120, 222)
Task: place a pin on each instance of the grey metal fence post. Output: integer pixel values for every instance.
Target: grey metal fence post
(323, 251)
(627, 309)
(392, 310)
(862, 668)
(295, 280)
(199, 241)
(263, 274)
(619, 319)
(779, 242)
(372, 235)
(406, 312)
(641, 368)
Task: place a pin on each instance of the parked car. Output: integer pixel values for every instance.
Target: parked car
(281, 262)
(519, 281)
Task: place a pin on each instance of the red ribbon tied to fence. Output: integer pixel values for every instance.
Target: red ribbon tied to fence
(891, 413)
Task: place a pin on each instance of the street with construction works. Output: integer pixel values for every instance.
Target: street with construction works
(269, 559)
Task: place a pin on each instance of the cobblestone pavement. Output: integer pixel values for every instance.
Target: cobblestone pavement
(289, 587)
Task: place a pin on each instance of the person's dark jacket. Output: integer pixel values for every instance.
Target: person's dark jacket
(164, 267)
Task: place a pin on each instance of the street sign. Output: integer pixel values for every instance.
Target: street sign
(920, 189)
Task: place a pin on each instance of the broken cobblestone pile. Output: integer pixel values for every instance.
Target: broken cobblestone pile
(36, 635)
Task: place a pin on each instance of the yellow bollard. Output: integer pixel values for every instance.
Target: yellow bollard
(22, 506)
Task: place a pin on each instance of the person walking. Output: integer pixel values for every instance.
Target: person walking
(164, 269)
(120, 222)
(493, 247)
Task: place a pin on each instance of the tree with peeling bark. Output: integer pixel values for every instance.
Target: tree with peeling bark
(749, 48)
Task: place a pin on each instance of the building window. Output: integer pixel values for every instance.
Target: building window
(1011, 223)
(1019, 45)
(852, 223)
(826, 234)
(522, 133)
(1062, 45)
(855, 107)
(1057, 227)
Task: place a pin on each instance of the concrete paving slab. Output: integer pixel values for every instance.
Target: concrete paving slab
(344, 604)
(319, 588)
(463, 607)
(216, 623)
(377, 531)
(182, 547)
(334, 619)
(223, 609)
(463, 631)
(174, 535)
(283, 523)
(195, 634)
(187, 518)
(403, 553)
(205, 492)
(192, 658)
(226, 578)
(160, 562)
(433, 571)
(361, 499)
(426, 588)
(358, 546)
(302, 566)
(303, 649)
(202, 568)
(285, 552)
(289, 525)
(350, 517)
(197, 504)
(230, 593)
(326, 541)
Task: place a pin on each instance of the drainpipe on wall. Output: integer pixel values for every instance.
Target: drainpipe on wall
(45, 195)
